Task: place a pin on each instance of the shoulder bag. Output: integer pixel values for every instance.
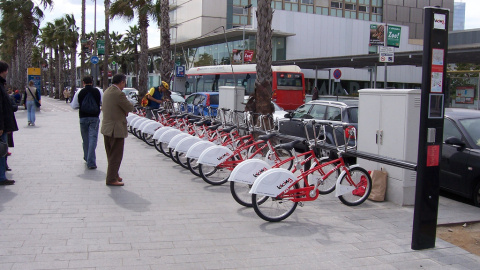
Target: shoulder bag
(37, 103)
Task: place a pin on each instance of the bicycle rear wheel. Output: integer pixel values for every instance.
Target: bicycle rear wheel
(157, 146)
(164, 148)
(172, 155)
(274, 209)
(240, 193)
(362, 184)
(214, 175)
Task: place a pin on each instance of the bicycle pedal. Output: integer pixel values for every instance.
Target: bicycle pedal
(300, 204)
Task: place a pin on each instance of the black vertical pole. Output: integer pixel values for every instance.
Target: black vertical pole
(435, 47)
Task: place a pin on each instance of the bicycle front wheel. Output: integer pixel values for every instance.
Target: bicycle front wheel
(273, 209)
(193, 166)
(240, 192)
(182, 159)
(360, 181)
(279, 155)
(148, 138)
(327, 185)
(214, 175)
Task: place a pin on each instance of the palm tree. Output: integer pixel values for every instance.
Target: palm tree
(59, 35)
(107, 44)
(71, 39)
(48, 39)
(263, 82)
(30, 16)
(143, 8)
(166, 66)
(116, 46)
(9, 38)
(131, 44)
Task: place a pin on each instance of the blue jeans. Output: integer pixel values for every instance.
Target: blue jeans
(89, 130)
(3, 161)
(31, 107)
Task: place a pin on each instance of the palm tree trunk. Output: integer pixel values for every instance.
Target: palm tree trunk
(263, 82)
(143, 78)
(107, 44)
(73, 70)
(166, 65)
(82, 54)
(50, 73)
(57, 74)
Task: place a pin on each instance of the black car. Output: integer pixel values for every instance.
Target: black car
(345, 111)
(460, 163)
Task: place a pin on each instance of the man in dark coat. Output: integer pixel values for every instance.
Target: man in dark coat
(8, 123)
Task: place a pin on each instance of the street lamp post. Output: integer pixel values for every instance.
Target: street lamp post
(247, 7)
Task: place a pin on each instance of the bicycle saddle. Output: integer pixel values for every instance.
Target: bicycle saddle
(287, 146)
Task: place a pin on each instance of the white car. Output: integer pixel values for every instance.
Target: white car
(131, 94)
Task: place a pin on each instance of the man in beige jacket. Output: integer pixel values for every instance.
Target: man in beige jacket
(115, 108)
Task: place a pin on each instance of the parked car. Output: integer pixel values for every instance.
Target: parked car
(200, 101)
(345, 111)
(279, 112)
(131, 94)
(460, 163)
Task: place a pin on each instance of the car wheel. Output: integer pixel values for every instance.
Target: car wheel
(476, 195)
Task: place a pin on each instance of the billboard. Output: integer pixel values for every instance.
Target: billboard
(377, 35)
(465, 95)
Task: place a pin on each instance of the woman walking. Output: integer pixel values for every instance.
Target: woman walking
(32, 96)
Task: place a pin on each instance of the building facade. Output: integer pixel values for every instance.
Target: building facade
(210, 32)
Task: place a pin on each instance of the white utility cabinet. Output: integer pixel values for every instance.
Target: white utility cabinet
(231, 97)
(388, 125)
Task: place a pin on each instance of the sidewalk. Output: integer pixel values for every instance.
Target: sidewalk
(60, 215)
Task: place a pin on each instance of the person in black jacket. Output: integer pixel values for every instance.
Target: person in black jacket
(8, 123)
(89, 121)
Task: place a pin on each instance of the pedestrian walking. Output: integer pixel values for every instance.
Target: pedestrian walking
(315, 93)
(114, 127)
(66, 95)
(8, 123)
(31, 100)
(88, 100)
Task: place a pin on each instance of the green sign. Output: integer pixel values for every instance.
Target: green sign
(393, 36)
(101, 47)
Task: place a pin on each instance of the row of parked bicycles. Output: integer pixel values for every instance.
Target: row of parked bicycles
(244, 149)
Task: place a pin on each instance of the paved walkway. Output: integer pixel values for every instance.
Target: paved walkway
(60, 215)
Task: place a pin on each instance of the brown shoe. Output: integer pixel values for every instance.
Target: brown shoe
(115, 184)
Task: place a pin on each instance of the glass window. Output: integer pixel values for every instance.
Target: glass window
(236, 2)
(450, 130)
(293, 1)
(308, 2)
(301, 111)
(472, 126)
(309, 9)
(363, 8)
(352, 115)
(238, 10)
(339, 13)
(288, 6)
(334, 114)
(337, 5)
(353, 15)
(350, 6)
(236, 19)
(318, 111)
(363, 2)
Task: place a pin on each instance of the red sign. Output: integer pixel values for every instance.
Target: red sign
(433, 155)
(248, 56)
(337, 74)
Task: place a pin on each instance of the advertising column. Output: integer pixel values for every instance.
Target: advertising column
(431, 128)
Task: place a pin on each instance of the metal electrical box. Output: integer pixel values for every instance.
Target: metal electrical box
(388, 125)
(231, 97)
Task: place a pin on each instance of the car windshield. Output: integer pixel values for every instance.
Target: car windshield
(277, 108)
(472, 126)
(177, 98)
(214, 99)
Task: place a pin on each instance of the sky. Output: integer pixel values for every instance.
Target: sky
(62, 7)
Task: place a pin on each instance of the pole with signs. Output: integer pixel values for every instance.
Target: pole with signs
(431, 128)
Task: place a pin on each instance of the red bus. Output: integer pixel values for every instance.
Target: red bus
(288, 87)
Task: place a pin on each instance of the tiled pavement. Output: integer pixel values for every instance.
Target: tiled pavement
(60, 215)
